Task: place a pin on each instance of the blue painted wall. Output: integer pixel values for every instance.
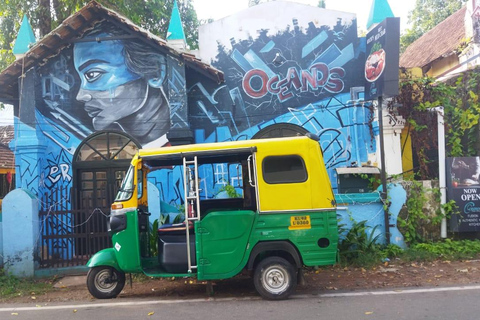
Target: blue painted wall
(20, 234)
(308, 73)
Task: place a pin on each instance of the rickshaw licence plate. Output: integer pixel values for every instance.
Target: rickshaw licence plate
(299, 222)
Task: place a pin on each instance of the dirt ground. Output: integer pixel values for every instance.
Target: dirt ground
(324, 280)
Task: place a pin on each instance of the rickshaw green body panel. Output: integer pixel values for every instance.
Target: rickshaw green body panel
(105, 257)
(126, 244)
(222, 237)
(125, 254)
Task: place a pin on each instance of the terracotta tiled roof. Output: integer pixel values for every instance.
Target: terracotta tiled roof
(73, 28)
(7, 160)
(441, 41)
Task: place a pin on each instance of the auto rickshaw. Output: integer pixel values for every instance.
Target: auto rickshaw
(276, 215)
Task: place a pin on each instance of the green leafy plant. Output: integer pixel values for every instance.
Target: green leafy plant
(359, 247)
(153, 239)
(459, 98)
(411, 224)
(153, 232)
(230, 191)
(419, 223)
(392, 251)
(451, 249)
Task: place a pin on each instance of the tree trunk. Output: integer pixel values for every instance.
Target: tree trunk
(44, 17)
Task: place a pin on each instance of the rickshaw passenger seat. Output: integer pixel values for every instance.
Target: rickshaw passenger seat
(172, 244)
(175, 228)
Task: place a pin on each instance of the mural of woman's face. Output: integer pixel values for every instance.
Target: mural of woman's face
(108, 88)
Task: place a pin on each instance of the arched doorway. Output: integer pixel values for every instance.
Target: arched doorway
(279, 130)
(99, 165)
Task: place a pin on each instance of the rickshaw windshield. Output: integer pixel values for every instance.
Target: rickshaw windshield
(126, 189)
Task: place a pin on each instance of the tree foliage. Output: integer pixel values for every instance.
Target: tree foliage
(426, 15)
(321, 4)
(45, 15)
(460, 100)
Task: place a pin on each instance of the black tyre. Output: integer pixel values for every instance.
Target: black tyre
(275, 278)
(105, 282)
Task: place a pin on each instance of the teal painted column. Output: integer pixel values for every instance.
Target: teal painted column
(20, 232)
(29, 144)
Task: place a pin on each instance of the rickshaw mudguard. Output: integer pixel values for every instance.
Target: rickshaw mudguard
(105, 257)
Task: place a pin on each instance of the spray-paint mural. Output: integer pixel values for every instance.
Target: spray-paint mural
(108, 85)
(308, 74)
(305, 73)
(96, 84)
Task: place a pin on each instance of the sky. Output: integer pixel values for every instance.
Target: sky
(6, 115)
(217, 9)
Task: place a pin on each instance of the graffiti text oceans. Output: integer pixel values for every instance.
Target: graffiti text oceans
(257, 83)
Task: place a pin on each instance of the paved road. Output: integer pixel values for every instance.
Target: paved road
(437, 303)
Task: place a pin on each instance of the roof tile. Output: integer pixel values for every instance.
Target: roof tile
(441, 41)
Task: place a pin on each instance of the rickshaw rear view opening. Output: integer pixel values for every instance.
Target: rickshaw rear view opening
(274, 215)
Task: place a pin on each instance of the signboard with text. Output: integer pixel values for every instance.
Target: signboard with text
(463, 186)
(381, 65)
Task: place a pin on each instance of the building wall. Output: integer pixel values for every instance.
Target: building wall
(441, 66)
(120, 85)
(287, 63)
(284, 63)
(290, 63)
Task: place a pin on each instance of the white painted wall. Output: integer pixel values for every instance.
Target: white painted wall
(392, 127)
(273, 16)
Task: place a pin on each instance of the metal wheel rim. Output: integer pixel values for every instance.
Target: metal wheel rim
(276, 279)
(100, 283)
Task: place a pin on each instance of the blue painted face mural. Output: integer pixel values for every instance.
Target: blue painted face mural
(101, 65)
(118, 91)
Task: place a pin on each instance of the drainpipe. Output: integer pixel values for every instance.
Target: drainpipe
(441, 167)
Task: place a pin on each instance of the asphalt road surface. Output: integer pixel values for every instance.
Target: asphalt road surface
(430, 303)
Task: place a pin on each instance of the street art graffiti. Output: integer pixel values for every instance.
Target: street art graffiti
(118, 85)
(268, 74)
(58, 172)
(305, 74)
(311, 78)
(317, 77)
(308, 75)
(115, 85)
(122, 85)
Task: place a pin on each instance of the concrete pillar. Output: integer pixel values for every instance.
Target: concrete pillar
(20, 232)
(392, 127)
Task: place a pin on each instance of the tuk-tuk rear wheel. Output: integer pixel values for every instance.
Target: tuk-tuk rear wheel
(105, 282)
(275, 278)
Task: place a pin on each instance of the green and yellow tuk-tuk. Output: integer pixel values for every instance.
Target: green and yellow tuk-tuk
(276, 214)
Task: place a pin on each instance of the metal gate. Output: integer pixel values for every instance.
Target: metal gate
(69, 237)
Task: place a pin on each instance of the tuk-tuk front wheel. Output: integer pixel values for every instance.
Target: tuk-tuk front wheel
(105, 282)
(275, 278)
